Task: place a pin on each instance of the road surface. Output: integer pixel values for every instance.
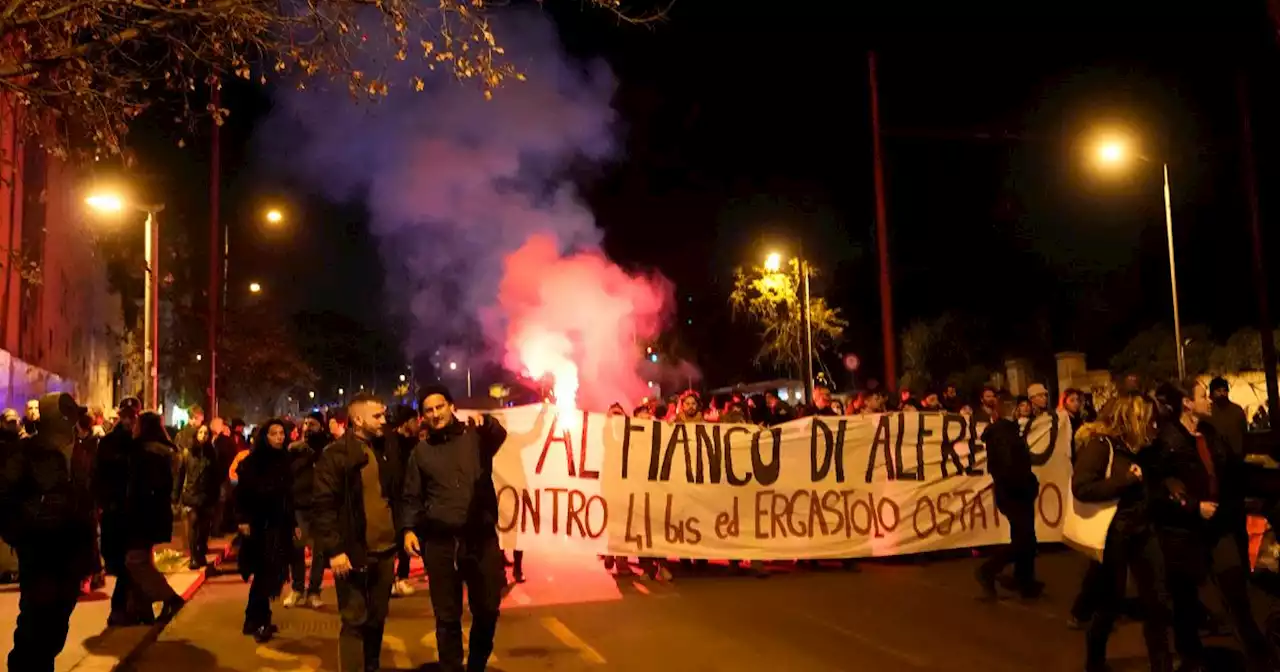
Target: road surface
(899, 615)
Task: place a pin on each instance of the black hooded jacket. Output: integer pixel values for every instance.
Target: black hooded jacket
(46, 509)
(448, 484)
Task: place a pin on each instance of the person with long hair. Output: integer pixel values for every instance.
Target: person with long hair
(1109, 468)
(199, 487)
(264, 499)
(1202, 524)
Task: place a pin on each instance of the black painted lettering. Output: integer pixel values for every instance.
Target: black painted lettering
(674, 533)
(594, 502)
(921, 433)
(515, 509)
(679, 435)
(555, 507)
(762, 513)
(531, 510)
(881, 440)
(577, 505)
(767, 473)
(921, 504)
(728, 459)
(562, 438)
(628, 428)
(583, 472)
(708, 446)
(949, 453)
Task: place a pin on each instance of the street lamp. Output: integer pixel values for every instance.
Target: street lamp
(773, 264)
(275, 216)
(113, 203)
(402, 378)
(1115, 152)
(254, 288)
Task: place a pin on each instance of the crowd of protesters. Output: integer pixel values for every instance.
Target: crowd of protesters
(361, 489)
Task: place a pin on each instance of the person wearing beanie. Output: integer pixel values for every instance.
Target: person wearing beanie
(449, 518)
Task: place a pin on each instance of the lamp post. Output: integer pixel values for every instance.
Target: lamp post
(109, 203)
(1114, 152)
(773, 264)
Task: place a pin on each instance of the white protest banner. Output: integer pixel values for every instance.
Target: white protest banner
(819, 487)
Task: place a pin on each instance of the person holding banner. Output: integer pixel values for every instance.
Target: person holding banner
(449, 500)
(1108, 468)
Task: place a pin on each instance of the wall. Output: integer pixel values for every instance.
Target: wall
(55, 333)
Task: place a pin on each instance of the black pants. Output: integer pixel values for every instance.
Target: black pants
(1229, 569)
(1021, 549)
(302, 581)
(47, 596)
(257, 611)
(199, 526)
(402, 560)
(364, 597)
(1137, 552)
(1092, 584)
(451, 563)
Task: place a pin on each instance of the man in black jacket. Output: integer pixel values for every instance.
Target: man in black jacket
(1015, 488)
(303, 455)
(449, 500)
(47, 515)
(354, 526)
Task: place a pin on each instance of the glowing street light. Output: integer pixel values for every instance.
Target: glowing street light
(340, 391)
(453, 366)
(105, 202)
(199, 357)
(275, 216)
(254, 288)
(1112, 152)
(111, 203)
(311, 394)
(402, 378)
(773, 262)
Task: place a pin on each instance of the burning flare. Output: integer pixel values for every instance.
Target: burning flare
(578, 319)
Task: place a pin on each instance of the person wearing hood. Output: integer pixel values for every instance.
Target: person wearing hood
(48, 517)
(450, 504)
(264, 500)
(303, 455)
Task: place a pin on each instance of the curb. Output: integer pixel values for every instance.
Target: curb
(104, 663)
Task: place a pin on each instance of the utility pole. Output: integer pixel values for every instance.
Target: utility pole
(215, 177)
(1265, 327)
(882, 237)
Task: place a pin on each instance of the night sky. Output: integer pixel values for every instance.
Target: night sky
(748, 130)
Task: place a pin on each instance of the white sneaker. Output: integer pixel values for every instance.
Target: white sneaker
(402, 588)
(314, 601)
(291, 600)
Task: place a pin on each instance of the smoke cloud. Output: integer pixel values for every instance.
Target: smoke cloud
(478, 228)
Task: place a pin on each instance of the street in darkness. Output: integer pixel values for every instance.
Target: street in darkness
(896, 615)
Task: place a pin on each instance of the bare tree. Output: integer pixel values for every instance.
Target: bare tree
(82, 69)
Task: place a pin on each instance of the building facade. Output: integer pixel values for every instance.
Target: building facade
(59, 322)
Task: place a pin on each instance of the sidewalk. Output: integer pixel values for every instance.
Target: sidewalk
(91, 647)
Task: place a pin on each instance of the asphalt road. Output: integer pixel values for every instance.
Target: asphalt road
(894, 615)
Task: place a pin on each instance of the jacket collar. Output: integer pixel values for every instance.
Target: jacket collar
(455, 428)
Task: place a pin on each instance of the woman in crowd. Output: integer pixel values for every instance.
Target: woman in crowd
(199, 485)
(1201, 523)
(1110, 457)
(267, 523)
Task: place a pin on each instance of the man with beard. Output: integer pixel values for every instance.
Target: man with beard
(450, 502)
(48, 517)
(354, 527)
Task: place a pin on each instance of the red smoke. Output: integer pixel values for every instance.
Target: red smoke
(580, 319)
